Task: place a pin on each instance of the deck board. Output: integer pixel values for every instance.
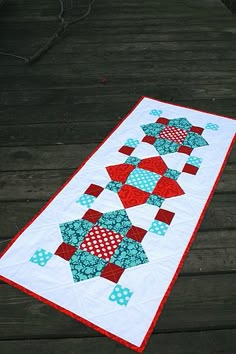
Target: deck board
(54, 113)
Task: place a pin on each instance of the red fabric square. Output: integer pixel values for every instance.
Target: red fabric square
(101, 242)
(65, 251)
(162, 120)
(127, 150)
(136, 233)
(192, 170)
(164, 216)
(167, 188)
(174, 134)
(120, 173)
(198, 130)
(112, 272)
(94, 190)
(153, 164)
(131, 196)
(92, 215)
(149, 139)
(185, 150)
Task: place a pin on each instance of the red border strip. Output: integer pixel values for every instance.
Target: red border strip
(84, 321)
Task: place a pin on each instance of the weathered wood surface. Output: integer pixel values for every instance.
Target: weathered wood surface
(55, 112)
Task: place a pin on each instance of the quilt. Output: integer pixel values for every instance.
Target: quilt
(108, 246)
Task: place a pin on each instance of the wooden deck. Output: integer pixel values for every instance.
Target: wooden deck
(54, 112)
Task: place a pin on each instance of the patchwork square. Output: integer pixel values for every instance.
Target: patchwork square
(142, 179)
(92, 216)
(136, 233)
(73, 232)
(86, 200)
(149, 139)
(132, 143)
(174, 174)
(85, 266)
(195, 161)
(127, 150)
(132, 161)
(65, 251)
(155, 200)
(129, 254)
(101, 242)
(112, 272)
(158, 227)
(114, 186)
(192, 170)
(94, 190)
(165, 216)
(173, 134)
(120, 295)
(41, 257)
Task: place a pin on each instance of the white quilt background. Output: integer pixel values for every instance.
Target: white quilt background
(149, 282)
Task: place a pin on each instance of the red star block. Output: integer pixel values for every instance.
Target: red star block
(127, 150)
(192, 170)
(153, 164)
(185, 150)
(120, 173)
(92, 216)
(162, 120)
(136, 233)
(165, 216)
(65, 251)
(94, 190)
(112, 272)
(198, 130)
(149, 139)
(167, 188)
(131, 196)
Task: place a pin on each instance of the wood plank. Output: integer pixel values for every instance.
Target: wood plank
(48, 157)
(51, 76)
(205, 302)
(200, 342)
(100, 93)
(107, 111)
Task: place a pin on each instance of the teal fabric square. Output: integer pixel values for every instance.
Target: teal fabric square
(155, 112)
(174, 174)
(132, 143)
(155, 200)
(158, 227)
(117, 221)
(41, 257)
(84, 265)
(129, 254)
(194, 140)
(86, 200)
(164, 146)
(114, 186)
(153, 129)
(143, 179)
(194, 161)
(120, 295)
(132, 161)
(73, 232)
(181, 123)
(212, 126)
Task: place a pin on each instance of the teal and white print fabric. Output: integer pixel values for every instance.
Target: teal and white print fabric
(107, 246)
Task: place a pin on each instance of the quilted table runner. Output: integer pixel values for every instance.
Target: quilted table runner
(107, 248)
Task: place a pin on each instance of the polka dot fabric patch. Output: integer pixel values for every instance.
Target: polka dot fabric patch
(101, 242)
(173, 134)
